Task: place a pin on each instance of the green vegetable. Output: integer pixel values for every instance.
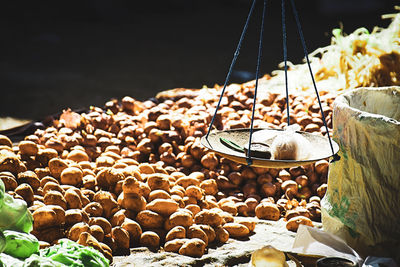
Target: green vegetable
(14, 214)
(38, 261)
(33, 261)
(24, 224)
(231, 144)
(2, 242)
(71, 253)
(20, 245)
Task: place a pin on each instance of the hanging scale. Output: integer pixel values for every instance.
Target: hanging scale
(271, 148)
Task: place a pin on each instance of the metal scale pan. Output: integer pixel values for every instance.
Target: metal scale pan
(320, 148)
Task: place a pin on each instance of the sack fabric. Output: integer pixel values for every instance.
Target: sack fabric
(362, 203)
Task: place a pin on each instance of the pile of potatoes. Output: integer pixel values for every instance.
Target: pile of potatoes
(135, 174)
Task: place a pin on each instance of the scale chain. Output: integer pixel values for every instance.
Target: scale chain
(285, 59)
(236, 54)
(296, 16)
(248, 158)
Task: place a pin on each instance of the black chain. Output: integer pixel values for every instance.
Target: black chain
(285, 59)
(228, 76)
(296, 16)
(248, 159)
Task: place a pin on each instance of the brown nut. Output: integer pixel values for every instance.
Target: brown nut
(208, 217)
(73, 199)
(209, 186)
(294, 223)
(210, 232)
(164, 207)
(28, 148)
(56, 166)
(97, 232)
(134, 230)
(158, 181)
(174, 245)
(9, 181)
(121, 237)
(149, 219)
(193, 208)
(249, 223)
(55, 198)
(181, 217)
(236, 230)
(194, 191)
(94, 209)
(321, 167)
(132, 202)
(321, 190)
(77, 229)
(158, 194)
(71, 176)
(78, 155)
(150, 239)
(194, 247)
(178, 232)
(5, 141)
(195, 231)
(186, 181)
(30, 178)
(102, 222)
(73, 216)
(26, 192)
(268, 211)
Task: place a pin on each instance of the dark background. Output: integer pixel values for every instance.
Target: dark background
(59, 54)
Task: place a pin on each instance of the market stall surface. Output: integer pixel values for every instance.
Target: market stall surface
(233, 253)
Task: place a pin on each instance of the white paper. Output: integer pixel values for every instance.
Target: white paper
(313, 241)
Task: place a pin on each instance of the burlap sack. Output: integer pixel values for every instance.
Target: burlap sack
(362, 203)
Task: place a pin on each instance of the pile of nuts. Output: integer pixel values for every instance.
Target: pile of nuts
(135, 174)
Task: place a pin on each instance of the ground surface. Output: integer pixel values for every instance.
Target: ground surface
(233, 253)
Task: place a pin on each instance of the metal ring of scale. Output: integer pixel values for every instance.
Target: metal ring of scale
(233, 144)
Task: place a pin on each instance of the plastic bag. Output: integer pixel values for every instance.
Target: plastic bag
(71, 253)
(362, 201)
(14, 214)
(290, 145)
(20, 245)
